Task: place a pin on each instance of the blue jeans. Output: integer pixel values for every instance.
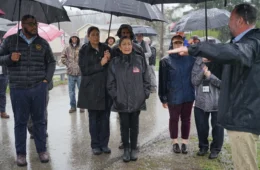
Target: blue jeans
(3, 86)
(72, 81)
(25, 102)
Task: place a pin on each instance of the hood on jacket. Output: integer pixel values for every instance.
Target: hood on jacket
(78, 40)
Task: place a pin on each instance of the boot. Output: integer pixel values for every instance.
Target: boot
(126, 156)
(4, 115)
(133, 155)
(72, 110)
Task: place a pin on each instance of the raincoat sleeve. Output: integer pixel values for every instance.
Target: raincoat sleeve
(163, 81)
(50, 64)
(148, 53)
(111, 81)
(215, 81)
(64, 57)
(146, 79)
(5, 56)
(197, 75)
(86, 67)
(225, 53)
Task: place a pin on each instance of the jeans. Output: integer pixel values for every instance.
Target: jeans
(72, 81)
(3, 86)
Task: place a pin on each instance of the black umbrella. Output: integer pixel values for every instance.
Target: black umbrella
(128, 8)
(195, 20)
(145, 30)
(46, 11)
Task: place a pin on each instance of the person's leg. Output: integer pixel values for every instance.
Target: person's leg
(125, 125)
(218, 136)
(174, 111)
(104, 132)
(185, 125)
(134, 129)
(78, 85)
(3, 86)
(202, 125)
(244, 150)
(21, 103)
(72, 84)
(38, 115)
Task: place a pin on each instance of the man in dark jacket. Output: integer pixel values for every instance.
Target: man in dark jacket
(31, 65)
(3, 86)
(240, 89)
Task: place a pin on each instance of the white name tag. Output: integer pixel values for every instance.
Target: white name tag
(206, 89)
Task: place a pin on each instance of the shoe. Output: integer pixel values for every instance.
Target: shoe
(133, 155)
(31, 137)
(213, 155)
(96, 151)
(72, 110)
(184, 149)
(4, 115)
(21, 160)
(44, 157)
(106, 149)
(176, 148)
(202, 152)
(82, 110)
(47, 135)
(126, 156)
(121, 146)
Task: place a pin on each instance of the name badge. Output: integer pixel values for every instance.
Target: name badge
(205, 89)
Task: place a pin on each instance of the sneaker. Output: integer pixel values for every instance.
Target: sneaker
(202, 152)
(184, 149)
(44, 157)
(106, 150)
(72, 110)
(96, 151)
(82, 110)
(21, 160)
(176, 148)
(4, 115)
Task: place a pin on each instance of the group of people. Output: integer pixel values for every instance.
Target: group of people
(221, 79)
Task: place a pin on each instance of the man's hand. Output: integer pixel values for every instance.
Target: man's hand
(107, 55)
(183, 51)
(205, 60)
(207, 74)
(15, 57)
(45, 81)
(104, 61)
(165, 105)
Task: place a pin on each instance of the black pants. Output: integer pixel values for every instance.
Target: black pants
(129, 124)
(99, 128)
(202, 124)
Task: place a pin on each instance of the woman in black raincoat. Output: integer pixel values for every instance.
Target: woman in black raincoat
(129, 86)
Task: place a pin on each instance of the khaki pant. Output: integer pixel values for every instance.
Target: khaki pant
(244, 150)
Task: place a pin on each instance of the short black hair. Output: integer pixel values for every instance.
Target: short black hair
(25, 17)
(125, 26)
(247, 12)
(124, 38)
(92, 28)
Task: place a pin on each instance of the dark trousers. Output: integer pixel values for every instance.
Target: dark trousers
(99, 127)
(3, 86)
(176, 111)
(202, 124)
(129, 124)
(25, 102)
(30, 123)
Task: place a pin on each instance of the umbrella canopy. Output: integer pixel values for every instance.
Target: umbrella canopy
(145, 30)
(171, 1)
(128, 8)
(47, 32)
(196, 20)
(42, 12)
(210, 39)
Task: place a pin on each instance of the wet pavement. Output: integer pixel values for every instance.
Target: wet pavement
(69, 139)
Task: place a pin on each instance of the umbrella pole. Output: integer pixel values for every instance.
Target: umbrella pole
(19, 13)
(206, 20)
(110, 25)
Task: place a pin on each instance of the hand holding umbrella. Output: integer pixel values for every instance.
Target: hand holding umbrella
(15, 57)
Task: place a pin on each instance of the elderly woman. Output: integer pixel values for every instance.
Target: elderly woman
(93, 62)
(129, 86)
(176, 93)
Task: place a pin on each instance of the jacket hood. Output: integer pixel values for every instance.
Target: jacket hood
(78, 40)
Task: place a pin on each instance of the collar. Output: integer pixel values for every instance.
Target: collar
(29, 41)
(240, 36)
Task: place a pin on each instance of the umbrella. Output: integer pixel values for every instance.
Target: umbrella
(171, 1)
(128, 8)
(42, 12)
(196, 20)
(145, 30)
(48, 32)
(213, 39)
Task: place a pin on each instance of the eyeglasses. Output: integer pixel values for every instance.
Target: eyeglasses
(32, 24)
